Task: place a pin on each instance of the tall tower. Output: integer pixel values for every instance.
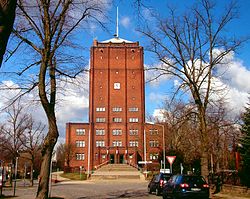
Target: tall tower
(117, 102)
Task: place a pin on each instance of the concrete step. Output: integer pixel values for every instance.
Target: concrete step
(115, 172)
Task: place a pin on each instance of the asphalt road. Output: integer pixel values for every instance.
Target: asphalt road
(135, 189)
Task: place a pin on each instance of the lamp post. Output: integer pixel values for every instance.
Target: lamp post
(2, 173)
(14, 190)
(163, 143)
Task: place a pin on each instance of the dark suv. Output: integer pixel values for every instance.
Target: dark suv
(186, 186)
(157, 182)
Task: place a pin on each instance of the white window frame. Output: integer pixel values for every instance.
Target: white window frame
(80, 131)
(117, 143)
(100, 109)
(133, 143)
(80, 143)
(117, 109)
(153, 131)
(80, 156)
(100, 143)
(117, 119)
(100, 131)
(133, 131)
(154, 143)
(100, 119)
(134, 120)
(133, 109)
(117, 132)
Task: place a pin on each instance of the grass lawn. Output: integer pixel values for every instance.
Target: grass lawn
(74, 176)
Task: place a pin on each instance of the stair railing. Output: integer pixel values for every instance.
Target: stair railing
(102, 164)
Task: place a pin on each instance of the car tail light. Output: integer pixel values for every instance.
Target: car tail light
(184, 185)
(206, 186)
(161, 183)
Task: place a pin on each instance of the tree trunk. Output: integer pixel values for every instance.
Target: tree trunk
(31, 173)
(49, 143)
(7, 17)
(204, 143)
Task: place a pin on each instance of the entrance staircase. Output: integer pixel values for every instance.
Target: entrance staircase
(116, 172)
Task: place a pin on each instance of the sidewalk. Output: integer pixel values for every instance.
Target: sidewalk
(56, 176)
(230, 196)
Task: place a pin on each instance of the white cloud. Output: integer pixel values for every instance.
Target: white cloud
(72, 103)
(153, 76)
(125, 22)
(157, 97)
(232, 82)
(159, 115)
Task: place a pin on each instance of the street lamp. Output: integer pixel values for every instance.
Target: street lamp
(163, 143)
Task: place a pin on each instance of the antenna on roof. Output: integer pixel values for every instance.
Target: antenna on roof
(117, 24)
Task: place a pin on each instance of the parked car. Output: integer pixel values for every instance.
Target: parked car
(186, 186)
(157, 182)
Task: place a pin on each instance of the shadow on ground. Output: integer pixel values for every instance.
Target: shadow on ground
(118, 194)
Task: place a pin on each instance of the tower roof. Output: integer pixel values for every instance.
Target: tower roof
(116, 40)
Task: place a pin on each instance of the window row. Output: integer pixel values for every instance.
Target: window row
(117, 120)
(116, 132)
(116, 143)
(101, 143)
(117, 109)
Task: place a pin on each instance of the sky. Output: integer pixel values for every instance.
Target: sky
(73, 105)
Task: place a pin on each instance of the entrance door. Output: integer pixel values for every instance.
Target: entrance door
(112, 159)
(121, 159)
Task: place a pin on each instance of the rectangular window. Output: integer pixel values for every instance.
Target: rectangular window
(133, 119)
(117, 119)
(100, 119)
(100, 109)
(153, 131)
(80, 156)
(80, 131)
(100, 143)
(116, 109)
(116, 132)
(100, 132)
(153, 143)
(117, 143)
(133, 109)
(80, 143)
(133, 143)
(133, 132)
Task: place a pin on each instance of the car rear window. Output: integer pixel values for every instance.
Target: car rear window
(166, 177)
(194, 179)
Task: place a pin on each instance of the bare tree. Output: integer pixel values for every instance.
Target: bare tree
(190, 47)
(7, 17)
(32, 142)
(13, 130)
(64, 154)
(47, 27)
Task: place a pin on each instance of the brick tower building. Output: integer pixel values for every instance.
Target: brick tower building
(116, 132)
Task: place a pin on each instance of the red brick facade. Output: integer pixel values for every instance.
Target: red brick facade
(116, 130)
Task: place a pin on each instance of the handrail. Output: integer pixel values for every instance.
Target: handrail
(134, 165)
(100, 165)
